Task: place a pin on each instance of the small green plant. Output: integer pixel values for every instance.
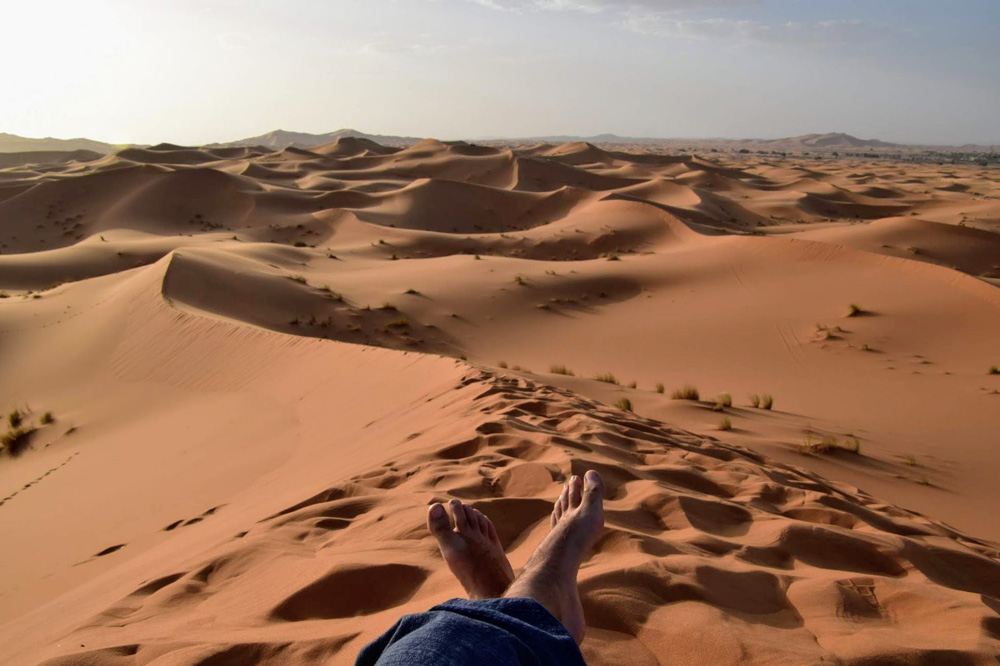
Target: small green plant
(606, 377)
(725, 424)
(994, 370)
(394, 257)
(865, 347)
(687, 392)
(659, 387)
(478, 258)
(519, 279)
(855, 310)
(853, 444)
(502, 364)
(766, 401)
(560, 369)
(15, 418)
(725, 400)
(911, 460)
(625, 404)
(381, 241)
(16, 440)
(47, 418)
(754, 400)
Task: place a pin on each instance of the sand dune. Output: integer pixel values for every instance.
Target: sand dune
(262, 365)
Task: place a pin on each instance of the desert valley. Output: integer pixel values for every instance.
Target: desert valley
(234, 377)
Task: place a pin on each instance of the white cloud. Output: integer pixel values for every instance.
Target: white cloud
(792, 32)
(596, 6)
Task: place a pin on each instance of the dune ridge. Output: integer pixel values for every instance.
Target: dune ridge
(261, 365)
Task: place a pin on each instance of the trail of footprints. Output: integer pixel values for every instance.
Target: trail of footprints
(693, 520)
(38, 480)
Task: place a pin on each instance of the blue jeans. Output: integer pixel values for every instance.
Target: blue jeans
(514, 632)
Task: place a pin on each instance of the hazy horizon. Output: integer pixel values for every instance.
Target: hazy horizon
(194, 73)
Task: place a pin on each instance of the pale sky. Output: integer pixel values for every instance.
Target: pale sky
(198, 71)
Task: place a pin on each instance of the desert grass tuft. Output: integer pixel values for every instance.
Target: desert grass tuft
(560, 369)
(766, 401)
(660, 388)
(687, 392)
(724, 399)
(994, 370)
(502, 364)
(725, 424)
(754, 400)
(625, 404)
(855, 310)
(14, 418)
(16, 439)
(47, 418)
(606, 377)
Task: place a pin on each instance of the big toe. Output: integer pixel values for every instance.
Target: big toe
(593, 487)
(438, 521)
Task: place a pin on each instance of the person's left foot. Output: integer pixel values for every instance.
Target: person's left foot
(471, 548)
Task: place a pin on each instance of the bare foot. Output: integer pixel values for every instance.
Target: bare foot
(471, 548)
(549, 577)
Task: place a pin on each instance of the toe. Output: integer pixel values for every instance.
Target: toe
(593, 487)
(575, 491)
(461, 518)
(564, 497)
(438, 521)
(482, 521)
(557, 512)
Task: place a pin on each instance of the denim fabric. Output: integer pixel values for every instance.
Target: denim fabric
(514, 632)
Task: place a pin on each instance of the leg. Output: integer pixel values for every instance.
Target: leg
(549, 577)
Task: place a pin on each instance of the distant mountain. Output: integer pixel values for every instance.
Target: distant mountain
(279, 139)
(830, 141)
(11, 143)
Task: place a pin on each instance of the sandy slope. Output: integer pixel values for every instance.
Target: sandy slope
(227, 481)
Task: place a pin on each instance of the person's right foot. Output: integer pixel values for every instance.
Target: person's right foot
(471, 548)
(550, 575)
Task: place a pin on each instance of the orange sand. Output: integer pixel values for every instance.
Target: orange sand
(250, 357)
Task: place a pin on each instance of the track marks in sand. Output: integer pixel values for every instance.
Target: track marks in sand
(700, 536)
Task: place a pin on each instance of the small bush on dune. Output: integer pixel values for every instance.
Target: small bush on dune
(687, 392)
(14, 418)
(16, 440)
(660, 388)
(829, 444)
(560, 369)
(625, 404)
(994, 370)
(606, 377)
(47, 418)
(725, 400)
(725, 424)
(855, 310)
(754, 400)
(502, 364)
(632, 384)
(766, 401)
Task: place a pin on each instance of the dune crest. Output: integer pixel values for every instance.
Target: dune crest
(240, 374)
